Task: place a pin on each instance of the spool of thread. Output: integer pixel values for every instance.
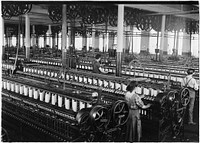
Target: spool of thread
(80, 79)
(85, 80)
(41, 95)
(76, 78)
(8, 85)
(59, 101)
(95, 81)
(74, 105)
(62, 76)
(82, 105)
(138, 90)
(124, 87)
(89, 105)
(89, 80)
(39, 71)
(54, 99)
(4, 84)
(117, 86)
(25, 90)
(30, 92)
(112, 85)
(152, 91)
(16, 88)
(35, 94)
(155, 93)
(47, 97)
(67, 104)
(67, 77)
(146, 91)
(105, 83)
(12, 87)
(21, 90)
(52, 74)
(48, 73)
(100, 82)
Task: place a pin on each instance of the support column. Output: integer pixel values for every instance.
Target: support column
(96, 40)
(28, 39)
(64, 36)
(3, 47)
(93, 37)
(33, 39)
(174, 46)
(177, 41)
(111, 40)
(144, 46)
(57, 39)
(131, 41)
(37, 40)
(72, 34)
(165, 50)
(45, 40)
(120, 35)
(186, 50)
(84, 40)
(126, 40)
(103, 37)
(53, 41)
(162, 36)
(49, 37)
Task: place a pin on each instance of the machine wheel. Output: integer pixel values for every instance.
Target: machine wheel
(165, 109)
(185, 96)
(178, 122)
(99, 117)
(120, 112)
(82, 118)
(171, 96)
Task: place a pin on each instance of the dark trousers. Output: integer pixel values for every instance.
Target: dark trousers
(190, 109)
(134, 128)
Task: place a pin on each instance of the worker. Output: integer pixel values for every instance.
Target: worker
(192, 85)
(134, 102)
(19, 66)
(97, 67)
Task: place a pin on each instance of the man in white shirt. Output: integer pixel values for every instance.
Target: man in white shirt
(190, 83)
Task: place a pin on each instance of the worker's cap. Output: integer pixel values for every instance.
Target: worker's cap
(190, 71)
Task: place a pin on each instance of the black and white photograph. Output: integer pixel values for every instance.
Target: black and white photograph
(99, 71)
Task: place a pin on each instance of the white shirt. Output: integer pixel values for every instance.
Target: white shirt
(192, 83)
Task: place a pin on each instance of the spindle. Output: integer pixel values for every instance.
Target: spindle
(67, 103)
(30, 92)
(25, 90)
(47, 97)
(74, 105)
(41, 92)
(35, 96)
(60, 101)
(54, 99)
